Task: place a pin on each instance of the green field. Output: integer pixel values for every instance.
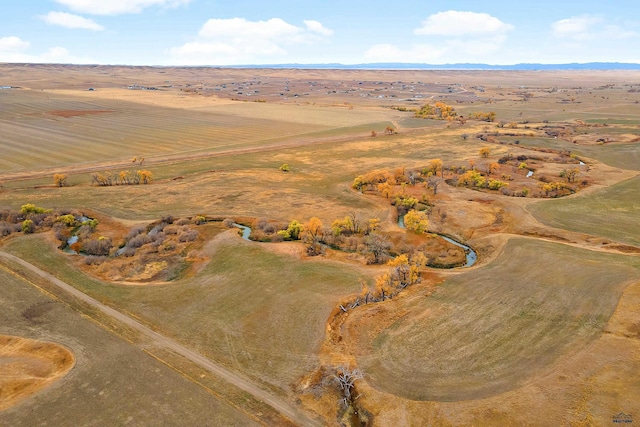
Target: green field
(612, 212)
(492, 330)
(112, 383)
(35, 137)
(256, 312)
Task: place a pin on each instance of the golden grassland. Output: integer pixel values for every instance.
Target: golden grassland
(543, 330)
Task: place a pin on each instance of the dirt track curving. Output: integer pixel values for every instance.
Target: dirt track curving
(162, 341)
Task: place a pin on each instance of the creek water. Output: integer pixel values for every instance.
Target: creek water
(471, 255)
(246, 231)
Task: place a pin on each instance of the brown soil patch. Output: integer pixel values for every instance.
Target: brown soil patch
(27, 366)
(76, 113)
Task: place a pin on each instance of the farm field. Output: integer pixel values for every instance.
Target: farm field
(543, 329)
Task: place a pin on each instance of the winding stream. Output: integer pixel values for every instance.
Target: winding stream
(471, 255)
(246, 231)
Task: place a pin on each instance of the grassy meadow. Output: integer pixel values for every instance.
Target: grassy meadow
(488, 331)
(447, 351)
(111, 382)
(613, 212)
(255, 311)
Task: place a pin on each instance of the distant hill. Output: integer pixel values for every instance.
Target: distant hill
(465, 66)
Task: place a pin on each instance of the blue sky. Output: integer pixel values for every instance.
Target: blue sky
(217, 32)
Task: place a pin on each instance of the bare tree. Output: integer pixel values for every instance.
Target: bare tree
(433, 182)
(377, 244)
(413, 176)
(345, 378)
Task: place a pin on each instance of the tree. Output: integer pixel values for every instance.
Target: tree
(372, 225)
(433, 182)
(403, 272)
(492, 168)
(284, 167)
(570, 174)
(358, 183)
(345, 378)
(30, 208)
(144, 176)
(485, 151)
(435, 166)
(413, 176)
(69, 220)
(28, 226)
(416, 221)
(293, 230)
(374, 134)
(471, 178)
(312, 234)
(125, 177)
(389, 130)
(60, 179)
(384, 286)
(385, 189)
(378, 245)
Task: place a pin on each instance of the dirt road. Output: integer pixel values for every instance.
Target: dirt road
(162, 341)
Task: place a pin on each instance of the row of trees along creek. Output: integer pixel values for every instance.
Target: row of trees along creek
(124, 177)
(400, 186)
(442, 111)
(108, 178)
(353, 233)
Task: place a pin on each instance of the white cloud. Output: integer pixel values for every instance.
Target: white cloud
(13, 44)
(235, 28)
(576, 27)
(317, 27)
(588, 27)
(13, 49)
(239, 41)
(456, 24)
(60, 55)
(117, 7)
(68, 20)
(454, 36)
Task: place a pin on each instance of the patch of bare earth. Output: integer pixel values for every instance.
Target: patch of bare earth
(27, 366)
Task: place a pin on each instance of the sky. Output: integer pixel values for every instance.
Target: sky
(262, 32)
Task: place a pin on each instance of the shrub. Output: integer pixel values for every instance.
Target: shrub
(171, 230)
(94, 260)
(28, 226)
(261, 223)
(30, 208)
(495, 184)
(228, 222)
(5, 229)
(69, 220)
(136, 242)
(188, 236)
(135, 231)
(99, 247)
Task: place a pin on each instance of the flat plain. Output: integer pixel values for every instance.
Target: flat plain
(543, 330)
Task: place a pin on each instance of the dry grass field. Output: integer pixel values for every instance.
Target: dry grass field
(542, 330)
